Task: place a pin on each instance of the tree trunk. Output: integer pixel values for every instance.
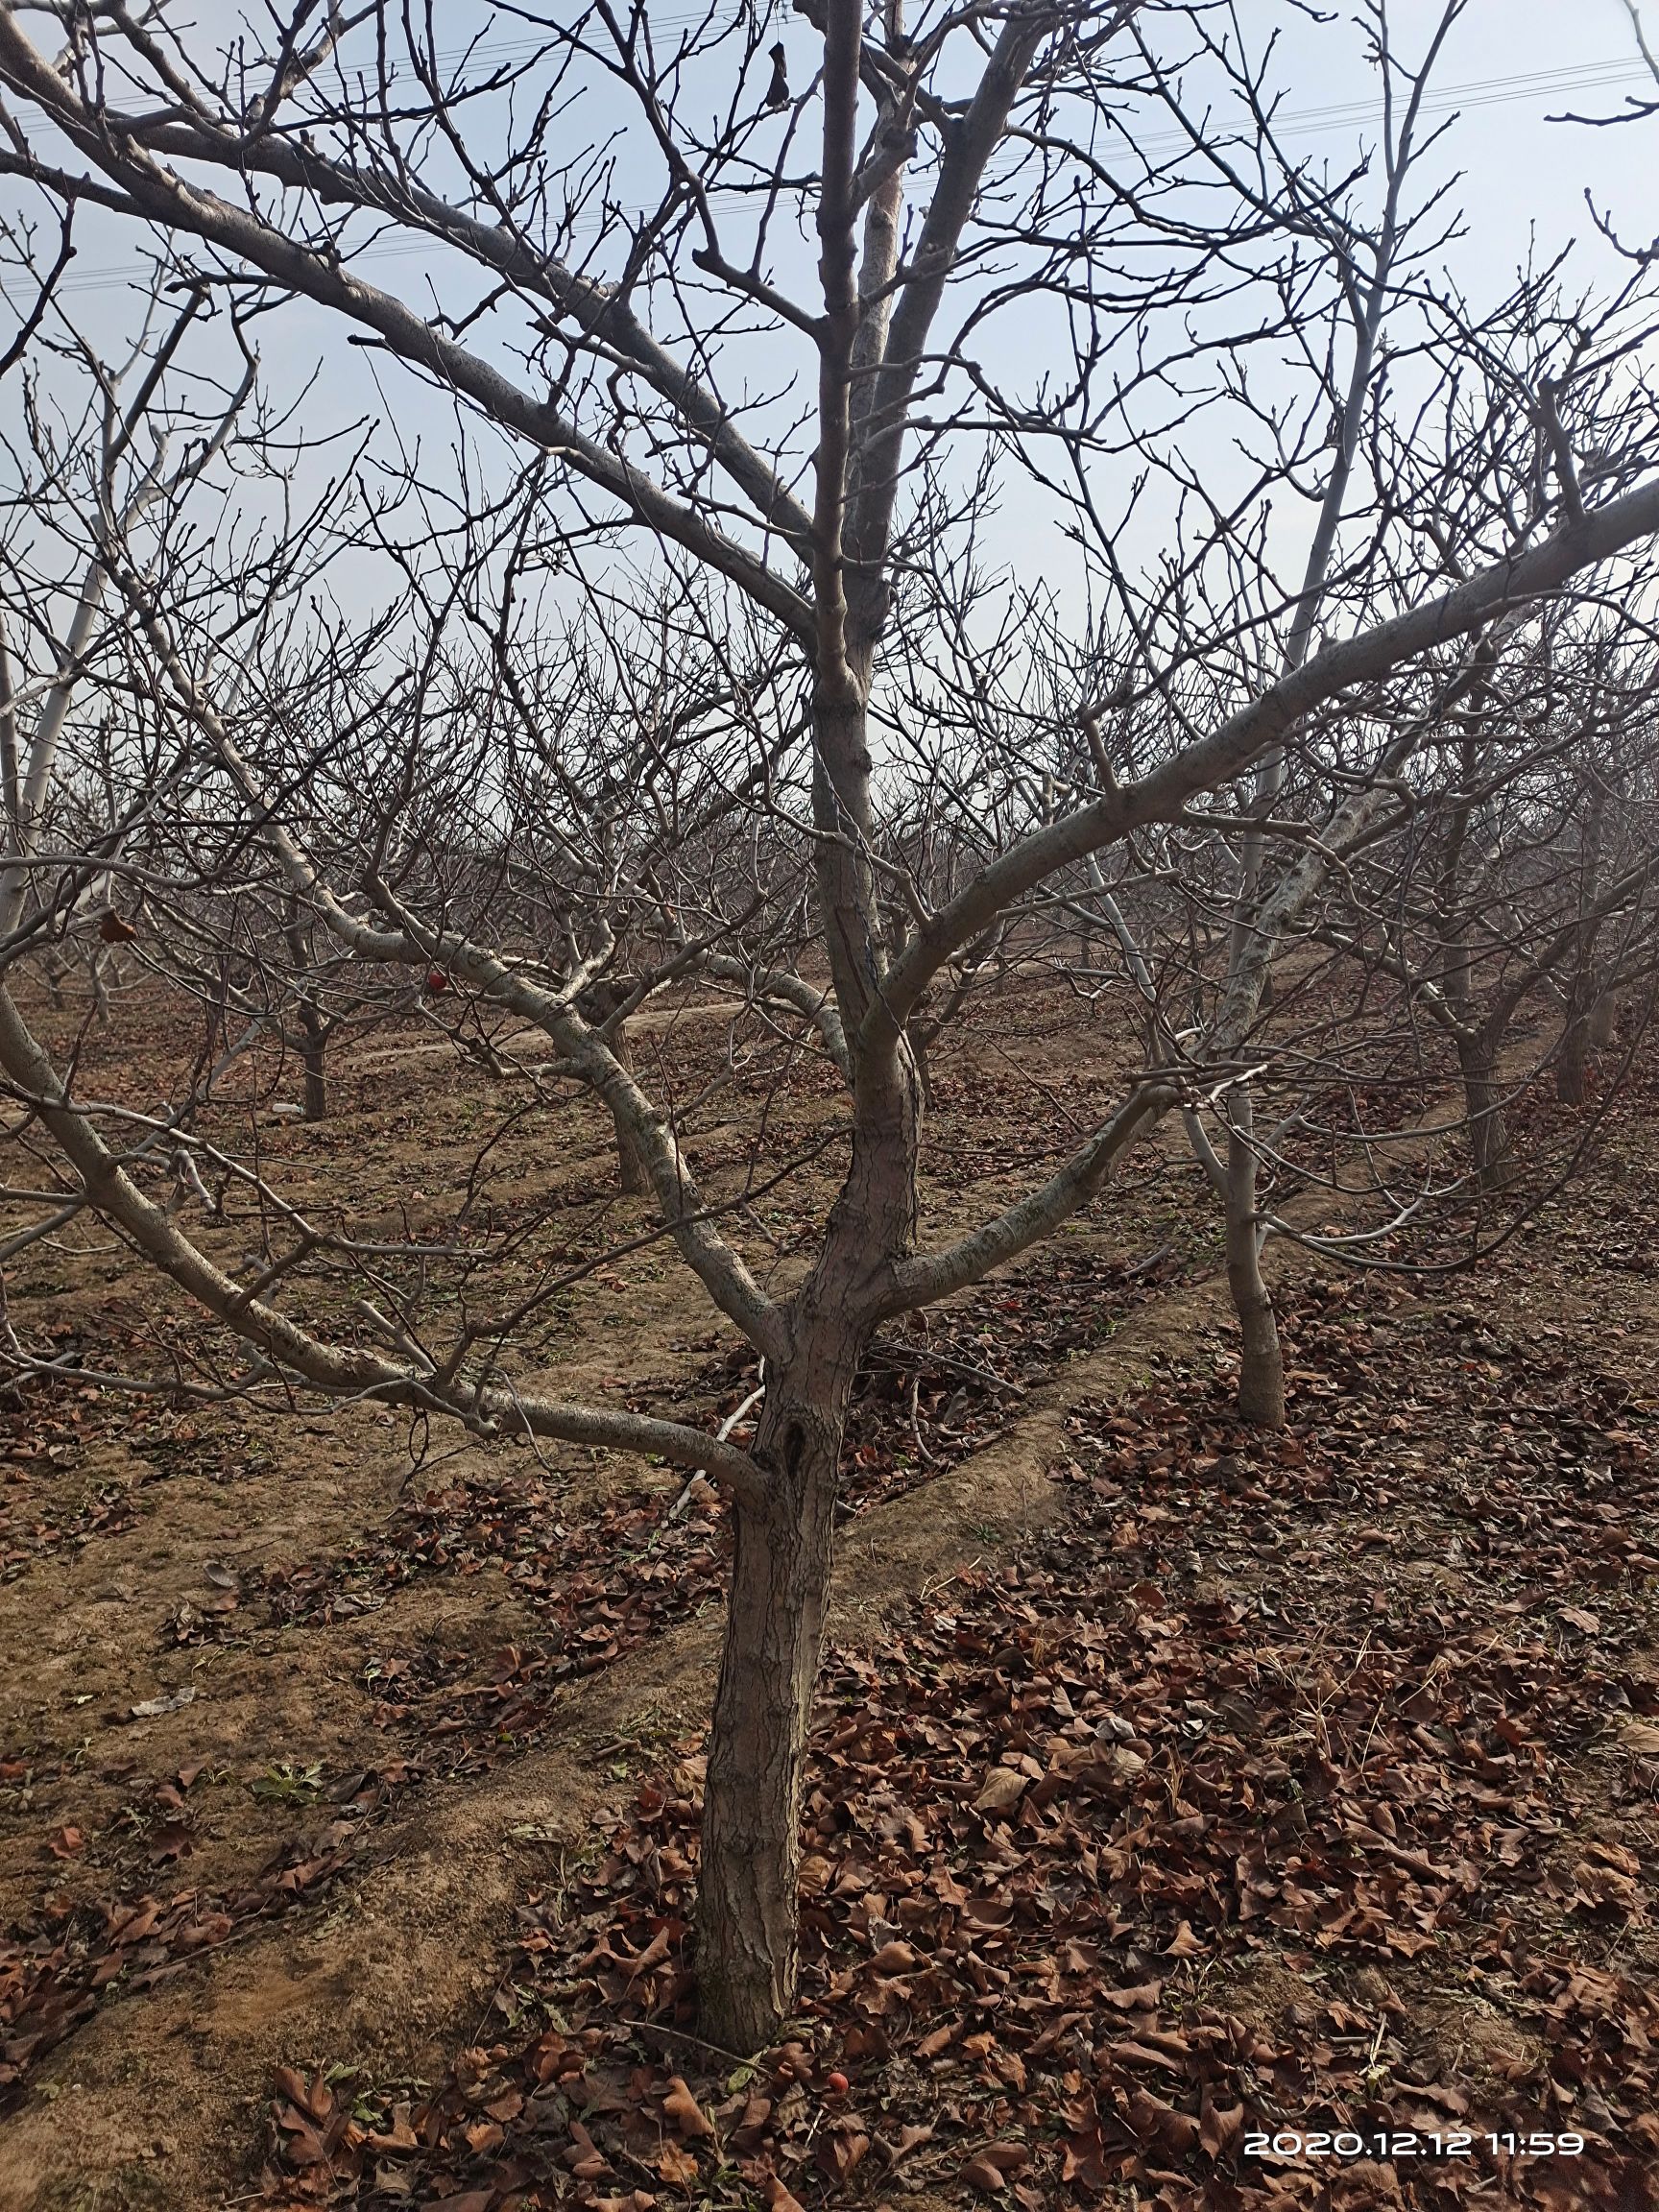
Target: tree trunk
(1572, 1057)
(1592, 1029)
(313, 1059)
(102, 964)
(1574, 1051)
(1262, 1366)
(314, 1030)
(630, 1170)
(1483, 1102)
(746, 1908)
(917, 1040)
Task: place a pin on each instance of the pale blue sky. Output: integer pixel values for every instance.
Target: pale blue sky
(1521, 169)
(1525, 177)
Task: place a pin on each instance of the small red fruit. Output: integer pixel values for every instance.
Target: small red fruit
(436, 982)
(837, 2084)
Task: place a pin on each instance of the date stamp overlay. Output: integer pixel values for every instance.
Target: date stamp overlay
(1392, 2145)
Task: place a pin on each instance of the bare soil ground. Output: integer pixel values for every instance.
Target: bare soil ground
(1170, 1785)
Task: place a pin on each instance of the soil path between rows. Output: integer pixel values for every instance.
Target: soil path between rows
(154, 2103)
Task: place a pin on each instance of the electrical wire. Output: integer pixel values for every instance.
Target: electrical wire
(1475, 92)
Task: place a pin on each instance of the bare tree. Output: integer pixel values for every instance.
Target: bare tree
(110, 471)
(806, 460)
(1523, 879)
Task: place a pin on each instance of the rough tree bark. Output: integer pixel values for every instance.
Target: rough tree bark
(751, 1848)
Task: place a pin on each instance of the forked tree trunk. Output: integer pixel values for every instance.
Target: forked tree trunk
(1262, 1362)
(747, 1953)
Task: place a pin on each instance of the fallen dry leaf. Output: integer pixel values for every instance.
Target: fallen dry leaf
(152, 1707)
(684, 2109)
(1002, 1788)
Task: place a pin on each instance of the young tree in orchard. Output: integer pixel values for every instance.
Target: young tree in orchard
(794, 352)
(560, 786)
(1523, 881)
(124, 466)
(104, 451)
(1406, 434)
(1366, 264)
